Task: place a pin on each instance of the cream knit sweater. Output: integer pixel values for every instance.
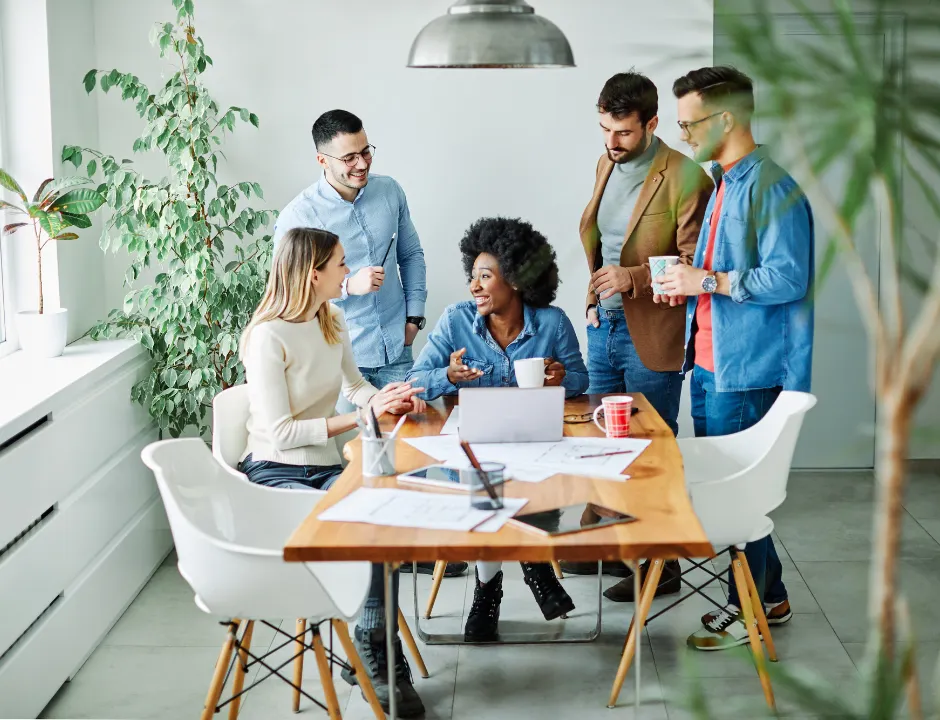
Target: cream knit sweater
(294, 380)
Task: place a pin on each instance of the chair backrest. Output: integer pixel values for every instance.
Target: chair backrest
(737, 480)
(230, 534)
(230, 410)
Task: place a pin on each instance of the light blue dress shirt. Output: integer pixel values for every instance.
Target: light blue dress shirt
(365, 226)
(547, 333)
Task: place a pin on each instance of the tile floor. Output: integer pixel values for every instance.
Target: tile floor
(157, 660)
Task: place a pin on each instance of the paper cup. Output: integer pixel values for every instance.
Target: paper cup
(658, 265)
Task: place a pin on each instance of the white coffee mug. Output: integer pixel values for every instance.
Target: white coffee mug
(530, 373)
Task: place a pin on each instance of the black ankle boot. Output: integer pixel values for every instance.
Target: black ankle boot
(483, 618)
(549, 594)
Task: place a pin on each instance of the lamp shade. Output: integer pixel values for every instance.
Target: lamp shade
(490, 34)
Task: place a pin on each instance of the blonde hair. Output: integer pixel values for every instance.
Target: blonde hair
(289, 294)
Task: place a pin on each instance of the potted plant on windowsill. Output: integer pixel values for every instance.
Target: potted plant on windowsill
(56, 206)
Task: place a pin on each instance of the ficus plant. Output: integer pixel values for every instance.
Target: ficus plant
(57, 205)
(206, 249)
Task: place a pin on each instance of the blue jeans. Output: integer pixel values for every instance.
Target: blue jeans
(313, 477)
(614, 367)
(379, 377)
(726, 413)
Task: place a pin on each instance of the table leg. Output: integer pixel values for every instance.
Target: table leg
(390, 618)
(639, 637)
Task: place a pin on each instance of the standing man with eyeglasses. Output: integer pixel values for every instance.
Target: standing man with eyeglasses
(749, 322)
(383, 301)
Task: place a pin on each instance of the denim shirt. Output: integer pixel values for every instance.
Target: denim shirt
(547, 332)
(763, 331)
(365, 226)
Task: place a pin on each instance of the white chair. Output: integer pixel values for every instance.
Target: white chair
(230, 410)
(735, 482)
(229, 537)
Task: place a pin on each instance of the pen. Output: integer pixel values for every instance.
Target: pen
(606, 454)
(376, 430)
(465, 446)
(390, 243)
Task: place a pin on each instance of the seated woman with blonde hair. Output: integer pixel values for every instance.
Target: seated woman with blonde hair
(298, 358)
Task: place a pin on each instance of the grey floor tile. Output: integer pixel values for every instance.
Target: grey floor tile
(922, 499)
(139, 683)
(928, 664)
(932, 527)
(842, 590)
(171, 559)
(842, 531)
(811, 489)
(165, 614)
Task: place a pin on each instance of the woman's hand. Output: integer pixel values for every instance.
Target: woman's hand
(457, 372)
(555, 372)
(397, 399)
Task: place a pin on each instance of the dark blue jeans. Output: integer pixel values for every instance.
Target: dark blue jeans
(321, 477)
(614, 367)
(726, 413)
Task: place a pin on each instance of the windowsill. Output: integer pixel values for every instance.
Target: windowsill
(31, 388)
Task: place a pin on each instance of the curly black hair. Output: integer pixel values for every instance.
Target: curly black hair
(526, 259)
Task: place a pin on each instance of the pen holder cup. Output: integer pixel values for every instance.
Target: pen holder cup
(378, 456)
(480, 498)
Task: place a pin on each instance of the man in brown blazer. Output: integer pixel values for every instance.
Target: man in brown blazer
(648, 200)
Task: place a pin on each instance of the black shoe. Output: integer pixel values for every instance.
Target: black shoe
(549, 594)
(612, 568)
(454, 569)
(669, 583)
(410, 705)
(483, 618)
(371, 648)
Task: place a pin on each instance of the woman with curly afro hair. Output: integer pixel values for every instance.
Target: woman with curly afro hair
(513, 279)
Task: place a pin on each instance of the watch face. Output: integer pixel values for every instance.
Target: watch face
(709, 283)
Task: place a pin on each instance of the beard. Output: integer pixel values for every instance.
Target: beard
(628, 155)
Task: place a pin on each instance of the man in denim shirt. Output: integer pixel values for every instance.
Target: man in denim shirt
(749, 319)
(370, 215)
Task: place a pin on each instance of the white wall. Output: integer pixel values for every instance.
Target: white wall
(463, 144)
(75, 122)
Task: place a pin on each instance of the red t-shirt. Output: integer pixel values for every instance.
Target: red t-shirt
(704, 348)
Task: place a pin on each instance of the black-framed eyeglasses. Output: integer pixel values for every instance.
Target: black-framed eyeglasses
(353, 158)
(684, 126)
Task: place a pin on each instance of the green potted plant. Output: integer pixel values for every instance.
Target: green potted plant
(198, 247)
(57, 205)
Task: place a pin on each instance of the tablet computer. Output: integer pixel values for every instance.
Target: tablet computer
(567, 519)
(435, 475)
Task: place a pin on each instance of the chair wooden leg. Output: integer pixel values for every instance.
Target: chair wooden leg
(757, 604)
(221, 667)
(439, 568)
(362, 677)
(412, 645)
(238, 683)
(300, 630)
(557, 568)
(647, 593)
(326, 675)
(751, 623)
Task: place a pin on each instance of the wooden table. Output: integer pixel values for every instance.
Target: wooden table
(655, 494)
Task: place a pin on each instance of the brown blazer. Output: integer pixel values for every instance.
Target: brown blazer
(666, 221)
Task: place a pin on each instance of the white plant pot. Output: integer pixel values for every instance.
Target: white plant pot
(43, 335)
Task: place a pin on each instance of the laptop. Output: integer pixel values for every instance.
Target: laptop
(509, 414)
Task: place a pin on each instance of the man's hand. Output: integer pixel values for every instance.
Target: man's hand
(670, 300)
(682, 280)
(611, 279)
(366, 280)
(555, 372)
(411, 332)
(457, 372)
(593, 318)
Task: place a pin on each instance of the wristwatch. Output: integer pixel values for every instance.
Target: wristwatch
(709, 284)
(416, 320)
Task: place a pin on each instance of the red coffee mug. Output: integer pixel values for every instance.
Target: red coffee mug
(617, 410)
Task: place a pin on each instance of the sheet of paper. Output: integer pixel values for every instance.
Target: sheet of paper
(452, 425)
(511, 507)
(407, 508)
(589, 456)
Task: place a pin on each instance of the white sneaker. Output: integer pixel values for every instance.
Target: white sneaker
(724, 629)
